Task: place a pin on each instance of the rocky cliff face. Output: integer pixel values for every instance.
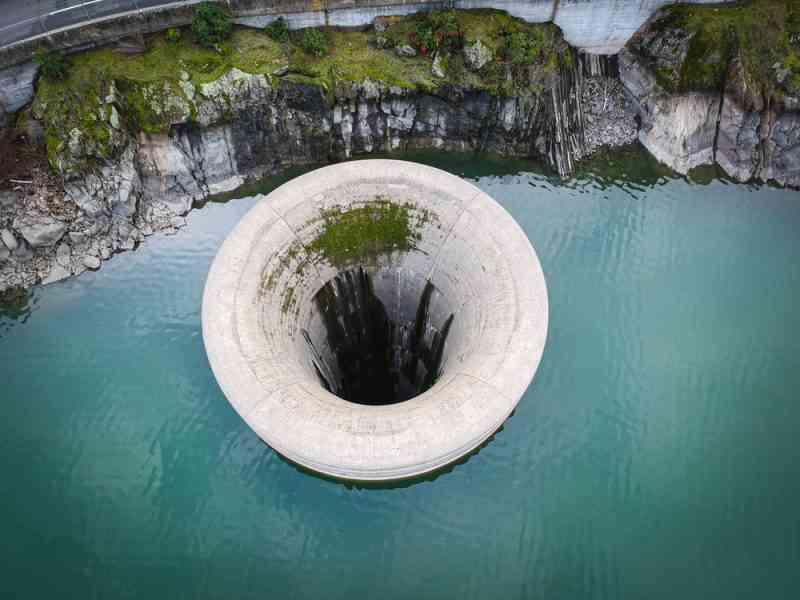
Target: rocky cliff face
(678, 129)
(134, 150)
(122, 183)
(724, 89)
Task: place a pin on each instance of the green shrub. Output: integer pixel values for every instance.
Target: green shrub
(437, 30)
(278, 30)
(173, 35)
(52, 65)
(422, 38)
(211, 24)
(455, 69)
(526, 47)
(314, 41)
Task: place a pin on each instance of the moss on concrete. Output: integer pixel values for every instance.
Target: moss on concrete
(358, 235)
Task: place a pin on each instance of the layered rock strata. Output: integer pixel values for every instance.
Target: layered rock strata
(702, 103)
(244, 126)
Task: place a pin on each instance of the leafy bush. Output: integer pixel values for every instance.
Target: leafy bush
(173, 35)
(437, 30)
(423, 39)
(278, 30)
(314, 41)
(526, 47)
(211, 24)
(52, 65)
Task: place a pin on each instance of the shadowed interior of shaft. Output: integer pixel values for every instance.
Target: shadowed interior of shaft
(372, 357)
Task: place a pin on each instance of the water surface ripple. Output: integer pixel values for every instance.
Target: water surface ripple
(655, 455)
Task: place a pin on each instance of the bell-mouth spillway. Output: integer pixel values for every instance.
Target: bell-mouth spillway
(372, 358)
(375, 319)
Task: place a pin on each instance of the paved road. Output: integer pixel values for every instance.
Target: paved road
(20, 19)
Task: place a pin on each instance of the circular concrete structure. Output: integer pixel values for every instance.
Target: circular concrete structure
(375, 319)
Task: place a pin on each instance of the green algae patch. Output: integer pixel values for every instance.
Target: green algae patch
(360, 234)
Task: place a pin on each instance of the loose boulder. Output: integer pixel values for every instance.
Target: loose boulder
(8, 239)
(477, 55)
(405, 51)
(39, 230)
(91, 262)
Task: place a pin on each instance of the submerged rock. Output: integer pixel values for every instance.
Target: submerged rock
(57, 273)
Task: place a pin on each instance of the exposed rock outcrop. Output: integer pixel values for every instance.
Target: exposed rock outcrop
(477, 55)
(16, 86)
(700, 103)
(678, 129)
(122, 186)
(142, 151)
(39, 229)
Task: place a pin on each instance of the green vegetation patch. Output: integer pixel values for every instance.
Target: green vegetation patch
(360, 234)
(52, 65)
(350, 237)
(152, 90)
(278, 30)
(211, 24)
(526, 55)
(763, 34)
(353, 57)
(314, 41)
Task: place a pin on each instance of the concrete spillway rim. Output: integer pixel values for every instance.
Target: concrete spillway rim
(299, 419)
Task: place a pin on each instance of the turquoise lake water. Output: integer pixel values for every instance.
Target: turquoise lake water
(655, 456)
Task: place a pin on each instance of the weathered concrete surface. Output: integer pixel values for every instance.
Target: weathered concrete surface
(468, 247)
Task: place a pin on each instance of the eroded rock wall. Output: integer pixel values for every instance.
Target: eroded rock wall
(716, 111)
(245, 125)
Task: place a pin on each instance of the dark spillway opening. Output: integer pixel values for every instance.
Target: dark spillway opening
(367, 356)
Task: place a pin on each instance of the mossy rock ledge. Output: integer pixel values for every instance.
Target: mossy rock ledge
(720, 85)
